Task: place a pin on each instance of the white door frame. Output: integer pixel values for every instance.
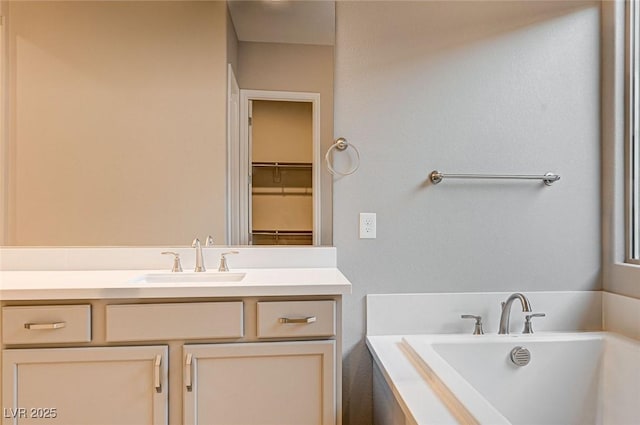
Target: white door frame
(242, 170)
(233, 157)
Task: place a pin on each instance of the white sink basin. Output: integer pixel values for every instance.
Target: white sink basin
(182, 277)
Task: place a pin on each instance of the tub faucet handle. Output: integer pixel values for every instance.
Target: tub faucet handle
(477, 330)
(528, 329)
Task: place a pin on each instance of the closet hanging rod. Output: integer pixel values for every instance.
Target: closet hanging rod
(548, 179)
(282, 190)
(282, 232)
(282, 164)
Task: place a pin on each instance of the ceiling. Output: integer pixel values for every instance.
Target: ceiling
(284, 21)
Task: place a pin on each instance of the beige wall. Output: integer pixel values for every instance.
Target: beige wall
(117, 122)
(296, 67)
(232, 43)
(291, 212)
(282, 131)
(4, 162)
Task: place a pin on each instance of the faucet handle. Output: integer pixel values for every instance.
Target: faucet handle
(477, 330)
(223, 261)
(177, 267)
(209, 241)
(528, 329)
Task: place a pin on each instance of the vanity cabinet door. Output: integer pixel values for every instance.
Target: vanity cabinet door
(93, 385)
(279, 383)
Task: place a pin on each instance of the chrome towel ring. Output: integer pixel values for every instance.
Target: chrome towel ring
(341, 144)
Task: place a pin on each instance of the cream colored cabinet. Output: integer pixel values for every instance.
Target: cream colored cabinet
(267, 383)
(76, 385)
(217, 362)
(277, 383)
(92, 385)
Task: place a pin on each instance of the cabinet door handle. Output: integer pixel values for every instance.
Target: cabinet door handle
(156, 373)
(187, 372)
(309, 319)
(42, 326)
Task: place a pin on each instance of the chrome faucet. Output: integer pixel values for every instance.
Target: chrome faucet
(199, 261)
(506, 311)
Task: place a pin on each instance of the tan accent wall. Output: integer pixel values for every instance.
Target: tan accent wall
(4, 162)
(117, 122)
(282, 131)
(282, 212)
(296, 67)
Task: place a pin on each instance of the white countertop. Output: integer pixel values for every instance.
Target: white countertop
(100, 284)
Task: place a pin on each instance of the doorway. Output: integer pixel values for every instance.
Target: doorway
(279, 168)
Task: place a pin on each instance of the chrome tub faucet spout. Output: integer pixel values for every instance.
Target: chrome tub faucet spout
(506, 310)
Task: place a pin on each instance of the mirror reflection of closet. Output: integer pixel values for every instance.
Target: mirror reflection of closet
(282, 173)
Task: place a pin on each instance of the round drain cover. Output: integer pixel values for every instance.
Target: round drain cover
(520, 356)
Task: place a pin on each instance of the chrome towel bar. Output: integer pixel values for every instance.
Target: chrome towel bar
(548, 179)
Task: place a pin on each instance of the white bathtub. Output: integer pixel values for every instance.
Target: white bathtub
(573, 378)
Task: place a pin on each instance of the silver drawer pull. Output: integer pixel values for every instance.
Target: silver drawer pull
(41, 326)
(187, 372)
(309, 319)
(156, 373)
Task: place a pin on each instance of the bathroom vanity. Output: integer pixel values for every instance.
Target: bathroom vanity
(106, 346)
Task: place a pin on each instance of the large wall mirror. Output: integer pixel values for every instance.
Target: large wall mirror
(114, 114)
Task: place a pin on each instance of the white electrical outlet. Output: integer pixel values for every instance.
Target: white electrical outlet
(367, 225)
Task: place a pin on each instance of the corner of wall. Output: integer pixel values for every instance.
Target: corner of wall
(621, 315)
(232, 43)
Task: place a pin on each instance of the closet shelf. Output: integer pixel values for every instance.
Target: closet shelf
(282, 237)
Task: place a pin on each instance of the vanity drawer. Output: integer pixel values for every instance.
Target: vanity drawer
(148, 322)
(46, 324)
(286, 319)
